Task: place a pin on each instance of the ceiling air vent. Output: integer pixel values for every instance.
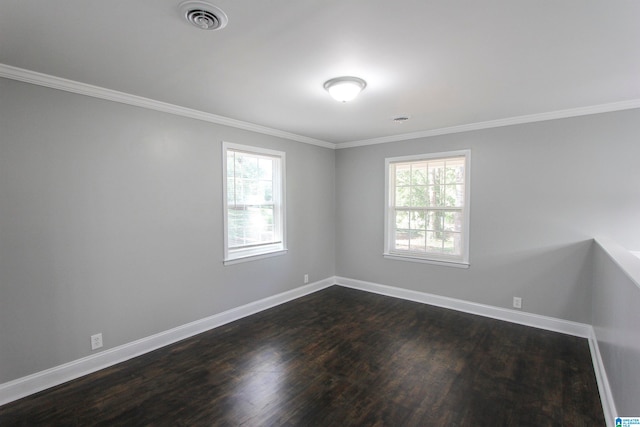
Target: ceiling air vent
(203, 15)
(400, 119)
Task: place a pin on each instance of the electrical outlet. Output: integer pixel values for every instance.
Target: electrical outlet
(96, 341)
(306, 278)
(517, 302)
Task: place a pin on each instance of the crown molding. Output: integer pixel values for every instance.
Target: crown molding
(530, 118)
(40, 79)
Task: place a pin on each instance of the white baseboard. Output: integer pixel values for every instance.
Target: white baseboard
(25, 386)
(528, 319)
(606, 396)
(43, 380)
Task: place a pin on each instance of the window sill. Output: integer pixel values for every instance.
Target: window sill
(248, 258)
(454, 264)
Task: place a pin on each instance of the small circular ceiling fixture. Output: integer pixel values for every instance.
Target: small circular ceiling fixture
(204, 15)
(344, 89)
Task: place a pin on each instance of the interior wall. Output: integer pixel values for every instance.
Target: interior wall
(111, 219)
(616, 321)
(539, 193)
(111, 222)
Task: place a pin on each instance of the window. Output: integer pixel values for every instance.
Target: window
(427, 208)
(253, 191)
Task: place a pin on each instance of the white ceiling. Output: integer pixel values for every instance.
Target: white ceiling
(444, 63)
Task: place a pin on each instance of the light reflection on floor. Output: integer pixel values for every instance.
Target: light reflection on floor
(260, 386)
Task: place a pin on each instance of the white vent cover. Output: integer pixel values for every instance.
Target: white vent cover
(203, 15)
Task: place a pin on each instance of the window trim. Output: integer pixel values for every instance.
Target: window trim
(429, 258)
(231, 256)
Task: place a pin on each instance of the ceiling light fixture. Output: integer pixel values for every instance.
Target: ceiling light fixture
(203, 15)
(344, 89)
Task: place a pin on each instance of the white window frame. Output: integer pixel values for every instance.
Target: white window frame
(461, 261)
(250, 253)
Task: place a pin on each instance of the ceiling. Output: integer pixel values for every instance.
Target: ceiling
(443, 63)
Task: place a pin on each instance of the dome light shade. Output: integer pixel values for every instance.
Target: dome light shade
(344, 89)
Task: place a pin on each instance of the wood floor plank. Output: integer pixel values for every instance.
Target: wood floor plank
(338, 357)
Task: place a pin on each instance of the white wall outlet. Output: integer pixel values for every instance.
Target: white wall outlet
(96, 341)
(306, 278)
(517, 302)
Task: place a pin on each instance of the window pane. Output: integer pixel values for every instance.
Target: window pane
(231, 193)
(247, 192)
(238, 160)
(265, 192)
(437, 196)
(418, 220)
(402, 240)
(448, 243)
(248, 166)
(436, 172)
(417, 241)
(451, 244)
(453, 221)
(230, 163)
(254, 202)
(419, 197)
(265, 171)
(238, 219)
(239, 191)
(455, 171)
(266, 218)
(434, 221)
(403, 196)
(251, 226)
(403, 174)
(454, 195)
(428, 213)
(236, 237)
(419, 173)
(434, 241)
(402, 219)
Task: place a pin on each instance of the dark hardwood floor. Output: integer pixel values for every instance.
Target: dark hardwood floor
(339, 357)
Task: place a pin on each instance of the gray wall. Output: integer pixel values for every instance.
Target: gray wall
(111, 221)
(616, 321)
(539, 193)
